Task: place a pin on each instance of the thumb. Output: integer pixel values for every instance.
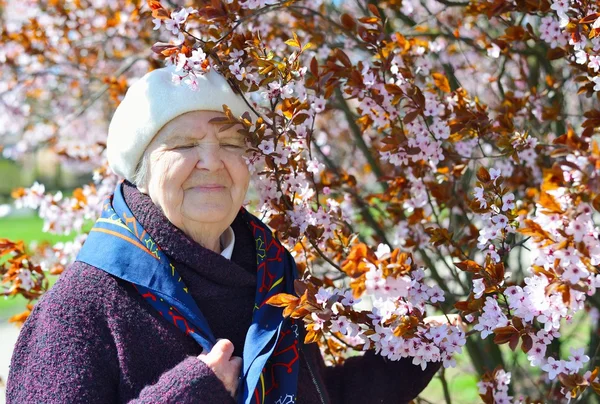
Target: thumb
(203, 351)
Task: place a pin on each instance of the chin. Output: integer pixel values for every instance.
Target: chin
(208, 213)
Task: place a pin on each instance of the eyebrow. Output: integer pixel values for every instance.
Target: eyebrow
(183, 138)
(176, 138)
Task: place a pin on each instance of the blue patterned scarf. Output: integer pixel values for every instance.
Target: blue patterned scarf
(119, 245)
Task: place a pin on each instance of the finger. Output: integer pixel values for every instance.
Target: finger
(236, 363)
(223, 347)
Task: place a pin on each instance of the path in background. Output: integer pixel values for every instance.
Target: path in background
(8, 337)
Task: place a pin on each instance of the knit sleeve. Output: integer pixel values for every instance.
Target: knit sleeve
(374, 379)
(66, 353)
(62, 356)
(57, 363)
(192, 381)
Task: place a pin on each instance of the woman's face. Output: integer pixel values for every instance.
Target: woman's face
(197, 175)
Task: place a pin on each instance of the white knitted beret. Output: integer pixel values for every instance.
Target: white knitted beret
(154, 100)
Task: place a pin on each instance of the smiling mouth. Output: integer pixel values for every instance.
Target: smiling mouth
(209, 187)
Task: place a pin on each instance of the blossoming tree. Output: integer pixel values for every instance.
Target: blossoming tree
(417, 157)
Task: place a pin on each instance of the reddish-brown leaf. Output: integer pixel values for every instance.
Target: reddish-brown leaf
(154, 4)
(311, 336)
(556, 53)
(527, 343)
(469, 266)
(534, 230)
(441, 82)
(342, 57)
(483, 175)
(505, 334)
(373, 9)
(548, 202)
(314, 67)
(589, 19)
(411, 116)
(596, 202)
(348, 22)
(282, 300)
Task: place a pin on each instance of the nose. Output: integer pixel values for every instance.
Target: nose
(209, 157)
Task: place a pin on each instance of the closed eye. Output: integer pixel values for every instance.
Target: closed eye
(185, 146)
(232, 146)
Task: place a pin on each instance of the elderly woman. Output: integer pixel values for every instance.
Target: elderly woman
(166, 300)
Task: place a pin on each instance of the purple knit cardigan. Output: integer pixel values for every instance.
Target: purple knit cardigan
(93, 339)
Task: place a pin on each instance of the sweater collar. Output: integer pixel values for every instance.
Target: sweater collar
(227, 243)
(239, 271)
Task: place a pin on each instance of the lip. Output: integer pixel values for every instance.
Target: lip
(209, 187)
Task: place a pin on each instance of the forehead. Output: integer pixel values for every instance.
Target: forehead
(196, 125)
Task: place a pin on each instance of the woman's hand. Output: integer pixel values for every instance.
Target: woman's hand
(226, 367)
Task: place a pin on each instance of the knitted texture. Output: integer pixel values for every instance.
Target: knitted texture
(93, 339)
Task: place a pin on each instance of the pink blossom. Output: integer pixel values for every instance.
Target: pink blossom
(323, 295)
(491, 318)
(581, 57)
(495, 174)
(266, 146)
(596, 81)
(318, 104)
(478, 287)
(348, 299)
(537, 353)
(561, 7)
(238, 71)
(594, 63)
(318, 322)
(197, 59)
(508, 201)
(314, 166)
(553, 367)
(440, 129)
(344, 326)
(479, 196)
(576, 360)
(493, 51)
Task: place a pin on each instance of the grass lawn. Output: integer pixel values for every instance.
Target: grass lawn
(28, 229)
(462, 385)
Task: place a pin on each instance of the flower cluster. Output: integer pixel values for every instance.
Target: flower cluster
(175, 24)
(67, 215)
(493, 387)
(497, 216)
(398, 299)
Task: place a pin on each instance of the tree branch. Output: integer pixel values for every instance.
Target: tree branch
(356, 132)
(453, 3)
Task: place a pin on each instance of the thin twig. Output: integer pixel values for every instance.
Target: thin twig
(128, 64)
(445, 386)
(453, 3)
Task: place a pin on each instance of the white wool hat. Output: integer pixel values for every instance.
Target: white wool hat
(154, 100)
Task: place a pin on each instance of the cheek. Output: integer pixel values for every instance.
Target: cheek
(176, 168)
(240, 174)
